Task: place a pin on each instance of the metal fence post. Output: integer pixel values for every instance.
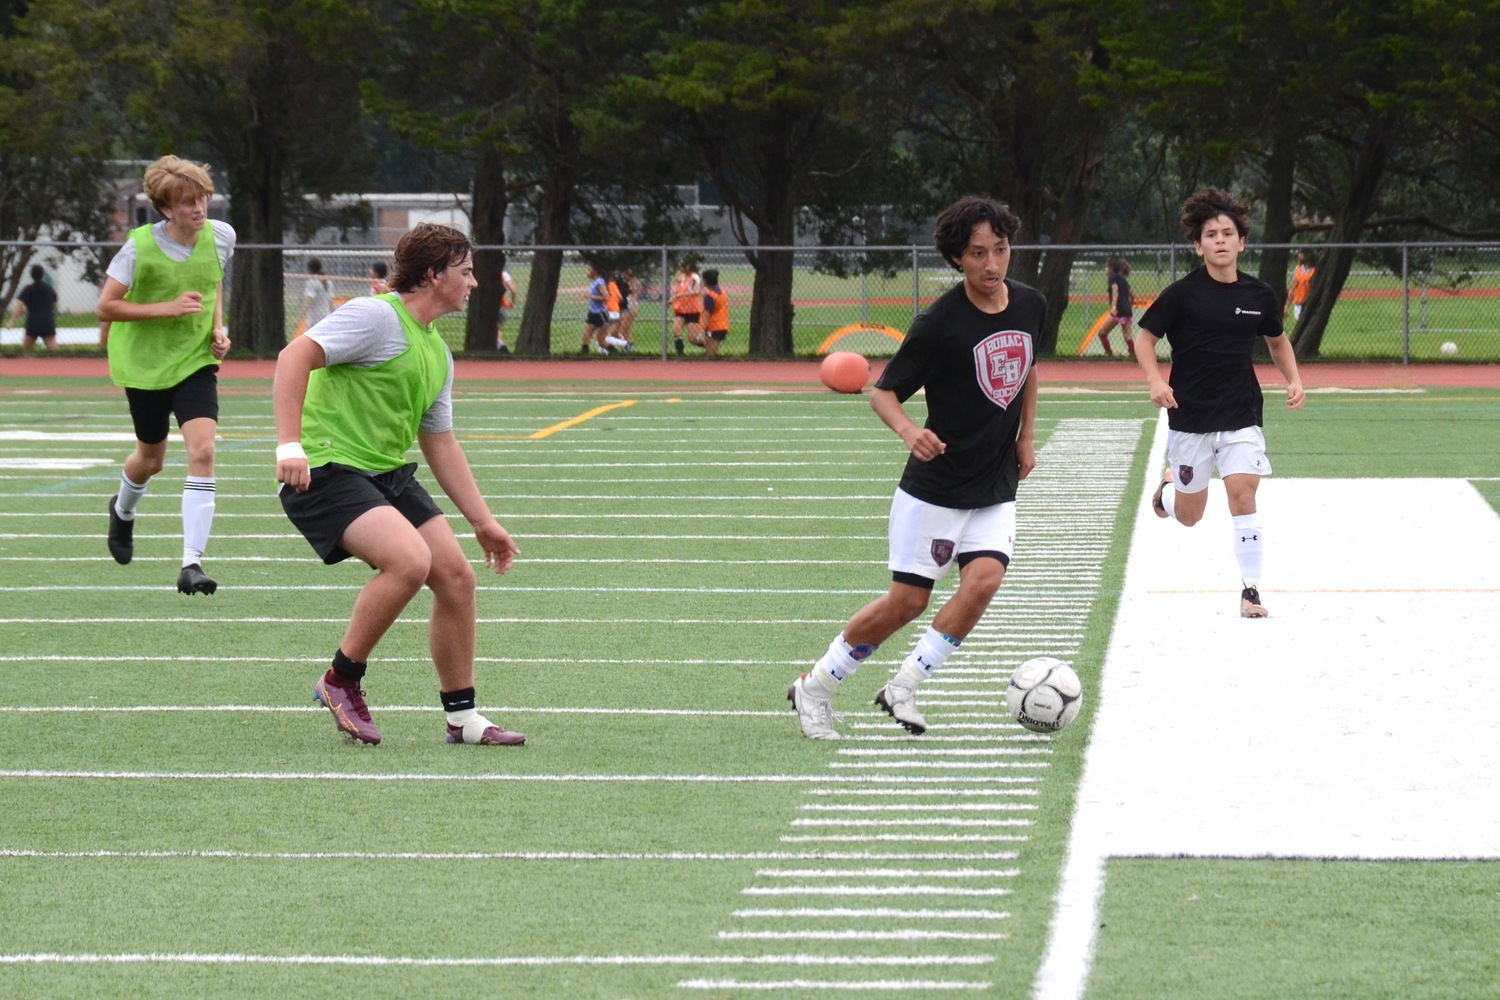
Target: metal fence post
(916, 284)
(666, 306)
(1405, 304)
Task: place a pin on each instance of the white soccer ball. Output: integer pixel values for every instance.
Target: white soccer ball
(1449, 348)
(1044, 694)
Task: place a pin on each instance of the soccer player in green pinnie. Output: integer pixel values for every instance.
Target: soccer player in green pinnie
(351, 396)
(163, 297)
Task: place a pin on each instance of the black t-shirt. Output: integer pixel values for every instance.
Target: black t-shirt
(1123, 304)
(1212, 327)
(40, 300)
(973, 365)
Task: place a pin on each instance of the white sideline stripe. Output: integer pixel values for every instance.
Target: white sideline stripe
(902, 838)
(869, 890)
(945, 752)
(528, 661)
(888, 872)
(936, 764)
(886, 985)
(899, 934)
(21, 853)
(924, 821)
(322, 776)
(239, 958)
(928, 791)
(877, 913)
(1363, 776)
(384, 709)
(914, 807)
(980, 738)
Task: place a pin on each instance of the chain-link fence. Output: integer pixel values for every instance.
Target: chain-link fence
(1400, 302)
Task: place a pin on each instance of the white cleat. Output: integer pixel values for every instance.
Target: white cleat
(814, 709)
(900, 703)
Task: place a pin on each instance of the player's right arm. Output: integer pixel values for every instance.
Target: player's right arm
(1145, 356)
(920, 441)
(112, 305)
(294, 365)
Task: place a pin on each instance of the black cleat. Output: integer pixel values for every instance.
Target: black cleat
(193, 581)
(121, 535)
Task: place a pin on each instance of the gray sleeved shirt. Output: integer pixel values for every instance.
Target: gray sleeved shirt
(365, 332)
(122, 267)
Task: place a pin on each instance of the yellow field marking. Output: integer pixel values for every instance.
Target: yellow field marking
(581, 418)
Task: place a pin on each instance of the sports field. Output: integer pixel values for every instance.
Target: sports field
(1292, 807)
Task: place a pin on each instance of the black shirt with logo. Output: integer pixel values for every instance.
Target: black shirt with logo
(973, 366)
(1212, 327)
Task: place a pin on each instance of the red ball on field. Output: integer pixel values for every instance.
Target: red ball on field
(845, 371)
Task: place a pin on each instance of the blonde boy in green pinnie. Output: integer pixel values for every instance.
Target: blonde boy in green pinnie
(163, 300)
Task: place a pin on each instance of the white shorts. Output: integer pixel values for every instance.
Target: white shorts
(1194, 457)
(927, 541)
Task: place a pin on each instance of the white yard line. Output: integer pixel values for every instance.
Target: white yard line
(1357, 721)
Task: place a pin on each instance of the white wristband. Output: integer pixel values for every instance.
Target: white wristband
(292, 449)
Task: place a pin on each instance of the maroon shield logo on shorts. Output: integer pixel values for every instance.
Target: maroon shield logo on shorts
(1184, 474)
(942, 551)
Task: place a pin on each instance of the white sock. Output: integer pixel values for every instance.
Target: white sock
(471, 722)
(464, 716)
(1169, 500)
(130, 496)
(615, 341)
(931, 652)
(1249, 547)
(197, 517)
(839, 663)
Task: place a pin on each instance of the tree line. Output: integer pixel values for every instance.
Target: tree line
(853, 121)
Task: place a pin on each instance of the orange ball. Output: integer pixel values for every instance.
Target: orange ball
(845, 371)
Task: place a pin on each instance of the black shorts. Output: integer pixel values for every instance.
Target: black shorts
(595, 319)
(717, 334)
(689, 317)
(194, 397)
(339, 494)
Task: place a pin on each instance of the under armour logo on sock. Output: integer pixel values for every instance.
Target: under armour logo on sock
(1247, 538)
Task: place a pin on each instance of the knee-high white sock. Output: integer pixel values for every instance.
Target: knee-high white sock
(1249, 547)
(1169, 500)
(130, 495)
(931, 652)
(839, 663)
(197, 517)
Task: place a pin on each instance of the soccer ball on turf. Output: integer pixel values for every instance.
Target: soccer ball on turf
(1044, 694)
(1449, 348)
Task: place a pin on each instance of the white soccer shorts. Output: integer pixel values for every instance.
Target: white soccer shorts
(1194, 457)
(927, 540)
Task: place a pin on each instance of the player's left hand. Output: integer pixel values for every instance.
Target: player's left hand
(220, 346)
(1025, 458)
(1295, 397)
(500, 550)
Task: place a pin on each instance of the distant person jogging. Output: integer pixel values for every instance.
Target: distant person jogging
(1212, 318)
(163, 304)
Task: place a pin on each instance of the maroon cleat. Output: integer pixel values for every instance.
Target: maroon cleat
(347, 703)
(483, 732)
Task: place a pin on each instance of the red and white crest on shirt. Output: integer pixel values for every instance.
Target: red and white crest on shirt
(1001, 362)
